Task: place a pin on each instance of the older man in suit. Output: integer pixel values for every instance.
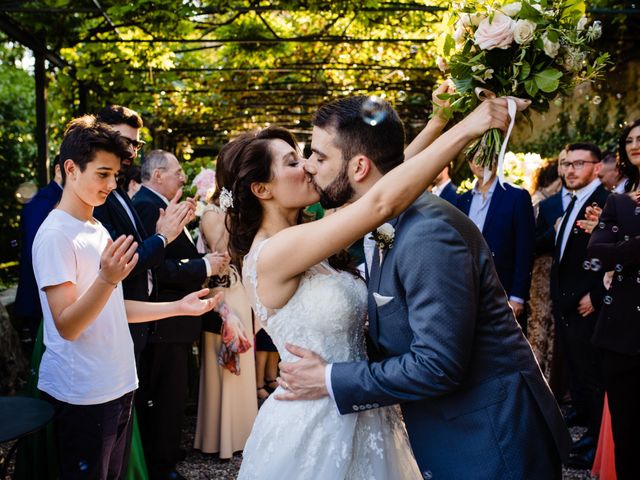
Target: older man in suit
(165, 360)
(451, 353)
(577, 292)
(504, 215)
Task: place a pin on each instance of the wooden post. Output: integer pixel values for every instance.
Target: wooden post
(41, 119)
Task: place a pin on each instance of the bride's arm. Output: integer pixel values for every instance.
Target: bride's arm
(295, 249)
(433, 128)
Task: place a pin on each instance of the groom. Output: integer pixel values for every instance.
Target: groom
(451, 353)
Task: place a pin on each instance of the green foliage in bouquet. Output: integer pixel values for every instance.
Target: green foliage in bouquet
(532, 49)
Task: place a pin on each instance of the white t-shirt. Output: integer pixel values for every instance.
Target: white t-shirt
(99, 366)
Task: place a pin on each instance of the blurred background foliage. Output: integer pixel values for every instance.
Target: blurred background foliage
(200, 71)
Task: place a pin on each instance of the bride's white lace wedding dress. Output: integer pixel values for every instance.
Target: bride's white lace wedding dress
(310, 439)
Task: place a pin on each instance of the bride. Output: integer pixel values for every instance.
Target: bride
(301, 297)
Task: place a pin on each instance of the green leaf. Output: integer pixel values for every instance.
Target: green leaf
(525, 70)
(527, 12)
(531, 88)
(449, 44)
(548, 80)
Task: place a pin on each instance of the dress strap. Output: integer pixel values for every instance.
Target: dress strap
(250, 273)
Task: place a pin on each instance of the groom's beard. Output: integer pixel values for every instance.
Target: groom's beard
(338, 192)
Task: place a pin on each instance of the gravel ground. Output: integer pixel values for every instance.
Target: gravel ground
(200, 466)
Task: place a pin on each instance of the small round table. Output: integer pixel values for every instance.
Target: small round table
(20, 417)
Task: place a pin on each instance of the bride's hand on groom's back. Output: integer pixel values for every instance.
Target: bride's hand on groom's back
(304, 379)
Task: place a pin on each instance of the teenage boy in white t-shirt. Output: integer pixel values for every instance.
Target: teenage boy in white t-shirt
(88, 369)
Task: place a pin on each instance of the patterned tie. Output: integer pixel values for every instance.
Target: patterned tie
(565, 221)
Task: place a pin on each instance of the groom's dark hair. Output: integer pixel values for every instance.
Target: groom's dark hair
(365, 125)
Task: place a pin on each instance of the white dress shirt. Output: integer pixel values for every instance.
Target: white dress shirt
(581, 197)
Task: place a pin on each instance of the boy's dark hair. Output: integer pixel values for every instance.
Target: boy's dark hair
(117, 114)
(84, 137)
(381, 139)
(591, 147)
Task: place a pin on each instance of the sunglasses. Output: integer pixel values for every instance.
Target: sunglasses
(135, 144)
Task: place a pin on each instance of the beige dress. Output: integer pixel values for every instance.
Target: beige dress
(227, 403)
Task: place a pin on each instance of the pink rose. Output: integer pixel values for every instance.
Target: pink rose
(496, 33)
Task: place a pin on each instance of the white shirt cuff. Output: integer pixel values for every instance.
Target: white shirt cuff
(327, 380)
(207, 265)
(516, 299)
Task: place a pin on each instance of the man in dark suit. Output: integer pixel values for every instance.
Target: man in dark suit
(577, 292)
(473, 398)
(27, 306)
(165, 361)
(120, 218)
(504, 215)
(444, 188)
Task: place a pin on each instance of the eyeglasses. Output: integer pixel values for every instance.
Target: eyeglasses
(135, 144)
(576, 164)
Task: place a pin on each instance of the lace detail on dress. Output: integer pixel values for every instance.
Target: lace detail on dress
(250, 280)
(309, 440)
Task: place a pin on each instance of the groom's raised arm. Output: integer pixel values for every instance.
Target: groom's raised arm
(439, 278)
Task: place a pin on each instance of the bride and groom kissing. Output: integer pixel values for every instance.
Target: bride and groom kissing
(449, 351)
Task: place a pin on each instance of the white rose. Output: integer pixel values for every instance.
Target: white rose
(442, 64)
(511, 9)
(523, 31)
(386, 229)
(582, 23)
(537, 7)
(550, 48)
(495, 34)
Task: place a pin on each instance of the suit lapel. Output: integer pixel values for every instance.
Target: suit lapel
(120, 211)
(374, 286)
(496, 201)
(136, 218)
(465, 202)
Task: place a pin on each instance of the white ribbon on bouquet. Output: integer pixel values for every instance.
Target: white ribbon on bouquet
(486, 94)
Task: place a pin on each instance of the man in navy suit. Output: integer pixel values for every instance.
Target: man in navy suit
(444, 188)
(504, 215)
(450, 351)
(27, 306)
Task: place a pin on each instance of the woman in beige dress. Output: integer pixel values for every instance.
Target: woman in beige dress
(227, 404)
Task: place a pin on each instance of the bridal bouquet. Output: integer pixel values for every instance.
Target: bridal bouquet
(532, 49)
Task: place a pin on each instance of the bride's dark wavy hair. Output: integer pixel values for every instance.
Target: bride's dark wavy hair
(245, 160)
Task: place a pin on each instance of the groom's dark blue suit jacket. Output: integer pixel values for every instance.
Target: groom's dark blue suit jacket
(473, 398)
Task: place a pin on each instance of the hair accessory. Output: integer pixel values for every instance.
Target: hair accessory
(226, 200)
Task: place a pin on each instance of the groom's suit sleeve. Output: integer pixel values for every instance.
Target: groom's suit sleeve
(436, 293)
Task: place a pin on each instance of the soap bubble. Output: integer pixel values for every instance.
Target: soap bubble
(372, 111)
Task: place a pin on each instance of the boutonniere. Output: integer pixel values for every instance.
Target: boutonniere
(384, 236)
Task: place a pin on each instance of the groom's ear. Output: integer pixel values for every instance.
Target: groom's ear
(362, 167)
(261, 190)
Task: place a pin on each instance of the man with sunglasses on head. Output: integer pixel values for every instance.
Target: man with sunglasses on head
(577, 292)
(119, 217)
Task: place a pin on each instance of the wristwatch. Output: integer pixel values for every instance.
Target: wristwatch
(164, 239)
